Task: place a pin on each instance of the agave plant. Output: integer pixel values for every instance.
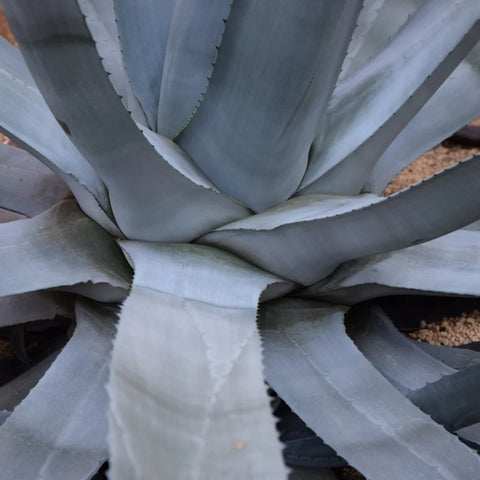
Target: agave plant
(232, 155)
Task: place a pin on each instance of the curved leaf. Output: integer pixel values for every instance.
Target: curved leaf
(60, 429)
(448, 265)
(276, 68)
(100, 18)
(26, 307)
(143, 36)
(28, 187)
(313, 365)
(402, 362)
(378, 21)
(371, 108)
(303, 241)
(431, 126)
(25, 118)
(194, 39)
(60, 51)
(58, 247)
(187, 389)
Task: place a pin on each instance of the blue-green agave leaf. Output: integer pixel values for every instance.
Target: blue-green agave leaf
(315, 367)
(187, 389)
(267, 96)
(68, 407)
(378, 21)
(194, 38)
(454, 357)
(431, 126)
(9, 215)
(60, 51)
(307, 237)
(100, 18)
(25, 118)
(371, 108)
(402, 362)
(27, 307)
(144, 34)
(58, 247)
(13, 392)
(28, 186)
(453, 400)
(448, 265)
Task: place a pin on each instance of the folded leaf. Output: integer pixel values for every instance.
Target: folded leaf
(56, 248)
(313, 365)
(267, 96)
(307, 237)
(60, 429)
(187, 389)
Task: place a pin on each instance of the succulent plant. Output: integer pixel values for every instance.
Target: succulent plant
(211, 211)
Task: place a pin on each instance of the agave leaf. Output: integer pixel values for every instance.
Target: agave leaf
(318, 371)
(13, 392)
(204, 414)
(371, 108)
(194, 38)
(100, 18)
(447, 265)
(144, 36)
(68, 407)
(58, 247)
(307, 237)
(25, 117)
(27, 185)
(402, 362)
(262, 146)
(452, 400)
(9, 215)
(70, 75)
(378, 21)
(26, 307)
(457, 358)
(431, 126)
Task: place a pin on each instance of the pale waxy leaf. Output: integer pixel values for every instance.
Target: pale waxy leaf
(370, 108)
(194, 37)
(13, 392)
(448, 265)
(70, 75)
(314, 366)
(100, 18)
(28, 186)
(144, 36)
(431, 126)
(58, 247)
(27, 307)
(26, 119)
(378, 21)
(9, 215)
(187, 389)
(305, 249)
(59, 430)
(402, 362)
(267, 96)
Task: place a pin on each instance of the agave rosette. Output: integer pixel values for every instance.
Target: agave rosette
(232, 156)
